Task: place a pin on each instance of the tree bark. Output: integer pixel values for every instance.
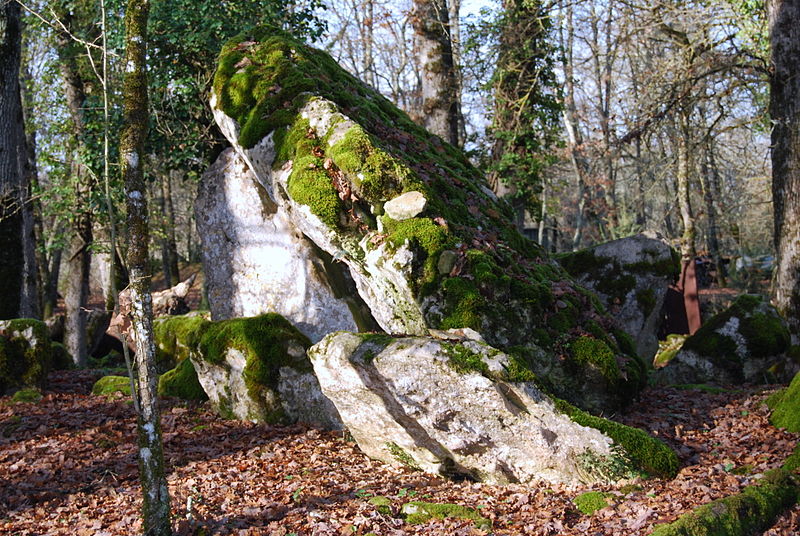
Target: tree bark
(155, 507)
(784, 107)
(76, 297)
(169, 231)
(683, 176)
(17, 261)
(441, 103)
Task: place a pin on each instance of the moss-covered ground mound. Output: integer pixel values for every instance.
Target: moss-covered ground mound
(785, 406)
(470, 267)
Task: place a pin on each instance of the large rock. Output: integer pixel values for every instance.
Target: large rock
(631, 277)
(747, 343)
(252, 368)
(25, 354)
(330, 152)
(461, 407)
(255, 262)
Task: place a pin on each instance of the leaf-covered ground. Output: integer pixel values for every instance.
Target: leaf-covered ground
(68, 466)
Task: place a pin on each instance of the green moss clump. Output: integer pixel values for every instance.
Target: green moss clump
(591, 501)
(309, 184)
(749, 512)
(108, 385)
(464, 360)
(417, 512)
(181, 382)
(402, 456)
(766, 335)
(464, 302)
(265, 341)
(26, 354)
(27, 395)
(175, 337)
(382, 504)
(423, 235)
(786, 407)
(647, 453)
(646, 298)
(594, 352)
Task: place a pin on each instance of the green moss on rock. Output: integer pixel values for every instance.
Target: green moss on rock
(590, 351)
(592, 501)
(26, 354)
(749, 512)
(647, 453)
(175, 337)
(108, 385)
(31, 396)
(785, 405)
(417, 512)
(181, 382)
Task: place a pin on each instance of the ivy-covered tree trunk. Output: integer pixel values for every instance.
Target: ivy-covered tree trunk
(784, 107)
(17, 262)
(441, 103)
(155, 507)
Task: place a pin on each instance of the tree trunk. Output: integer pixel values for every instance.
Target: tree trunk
(440, 101)
(683, 176)
(708, 182)
(784, 107)
(155, 507)
(76, 297)
(17, 261)
(169, 231)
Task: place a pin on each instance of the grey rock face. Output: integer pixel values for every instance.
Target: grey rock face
(630, 276)
(255, 261)
(413, 401)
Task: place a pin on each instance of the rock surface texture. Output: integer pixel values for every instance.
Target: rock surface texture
(747, 343)
(328, 154)
(630, 276)
(455, 407)
(255, 262)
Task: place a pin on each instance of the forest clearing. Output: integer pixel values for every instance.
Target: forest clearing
(367, 268)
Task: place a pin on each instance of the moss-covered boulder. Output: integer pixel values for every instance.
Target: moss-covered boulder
(785, 406)
(181, 382)
(330, 152)
(109, 385)
(630, 277)
(26, 355)
(747, 343)
(251, 368)
(454, 405)
(175, 337)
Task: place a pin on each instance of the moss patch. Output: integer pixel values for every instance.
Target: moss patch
(175, 337)
(591, 501)
(402, 456)
(108, 385)
(417, 512)
(785, 405)
(749, 512)
(647, 453)
(27, 395)
(26, 354)
(181, 382)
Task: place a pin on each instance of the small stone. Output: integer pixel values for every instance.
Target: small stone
(447, 260)
(405, 206)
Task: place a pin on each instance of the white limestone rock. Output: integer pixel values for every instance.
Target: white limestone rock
(255, 261)
(405, 206)
(407, 401)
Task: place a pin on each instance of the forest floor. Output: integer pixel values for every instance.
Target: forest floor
(68, 466)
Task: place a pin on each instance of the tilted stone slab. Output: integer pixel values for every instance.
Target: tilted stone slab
(457, 407)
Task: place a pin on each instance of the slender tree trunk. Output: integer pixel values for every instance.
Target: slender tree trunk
(784, 107)
(683, 176)
(454, 14)
(707, 183)
(155, 507)
(169, 230)
(440, 102)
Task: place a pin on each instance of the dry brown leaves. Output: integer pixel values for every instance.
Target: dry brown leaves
(68, 466)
